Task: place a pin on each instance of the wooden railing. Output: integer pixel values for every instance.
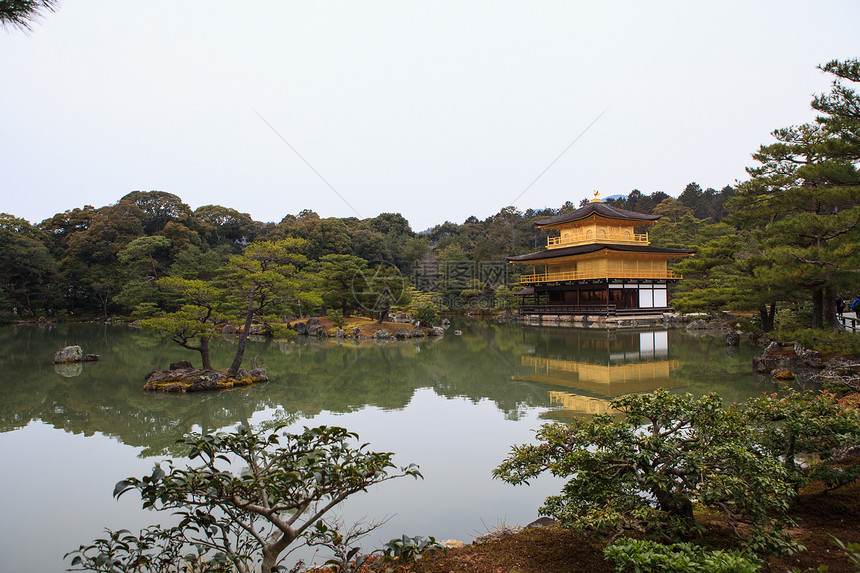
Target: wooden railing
(849, 322)
(567, 308)
(584, 275)
(580, 239)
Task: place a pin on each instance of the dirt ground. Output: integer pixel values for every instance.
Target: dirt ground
(819, 515)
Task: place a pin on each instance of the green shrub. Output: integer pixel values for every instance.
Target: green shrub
(791, 318)
(247, 519)
(146, 310)
(337, 319)
(644, 472)
(821, 340)
(814, 425)
(407, 549)
(852, 552)
(641, 556)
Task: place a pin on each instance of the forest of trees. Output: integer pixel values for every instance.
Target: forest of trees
(106, 261)
(785, 236)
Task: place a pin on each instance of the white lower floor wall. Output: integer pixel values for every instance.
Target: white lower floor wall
(653, 296)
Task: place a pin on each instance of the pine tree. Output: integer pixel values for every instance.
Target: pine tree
(802, 204)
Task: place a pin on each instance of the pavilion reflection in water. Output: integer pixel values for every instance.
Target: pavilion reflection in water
(587, 374)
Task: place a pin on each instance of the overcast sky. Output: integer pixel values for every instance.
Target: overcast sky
(437, 110)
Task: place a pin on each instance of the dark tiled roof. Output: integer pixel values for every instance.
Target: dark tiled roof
(594, 247)
(600, 209)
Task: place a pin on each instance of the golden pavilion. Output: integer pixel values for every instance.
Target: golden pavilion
(598, 264)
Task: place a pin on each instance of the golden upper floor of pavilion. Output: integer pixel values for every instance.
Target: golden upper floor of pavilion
(597, 222)
(598, 241)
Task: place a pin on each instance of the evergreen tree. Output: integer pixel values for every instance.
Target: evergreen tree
(22, 14)
(802, 203)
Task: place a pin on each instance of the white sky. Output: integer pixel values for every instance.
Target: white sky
(436, 110)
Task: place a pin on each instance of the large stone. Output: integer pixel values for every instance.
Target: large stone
(380, 334)
(401, 333)
(317, 330)
(733, 338)
(760, 339)
(228, 329)
(300, 328)
(772, 347)
(356, 332)
(68, 354)
(437, 331)
(541, 522)
(697, 324)
(765, 363)
(340, 333)
(258, 375)
(809, 357)
(182, 364)
(313, 321)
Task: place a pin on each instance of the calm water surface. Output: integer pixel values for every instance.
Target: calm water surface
(454, 406)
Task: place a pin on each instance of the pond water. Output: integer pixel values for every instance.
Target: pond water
(454, 406)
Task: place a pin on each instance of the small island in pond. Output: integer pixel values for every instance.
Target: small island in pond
(182, 377)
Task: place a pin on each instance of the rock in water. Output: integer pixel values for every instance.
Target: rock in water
(193, 380)
(782, 374)
(733, 339)
(68, 354)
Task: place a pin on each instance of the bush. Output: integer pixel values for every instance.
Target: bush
(407, 549)
(61, 315)
(821, 340)
(241, 520)
(644, 473)
(641, 556)
(790, 318)
(815, 425)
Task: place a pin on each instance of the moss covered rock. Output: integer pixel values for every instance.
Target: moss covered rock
(195, 380)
